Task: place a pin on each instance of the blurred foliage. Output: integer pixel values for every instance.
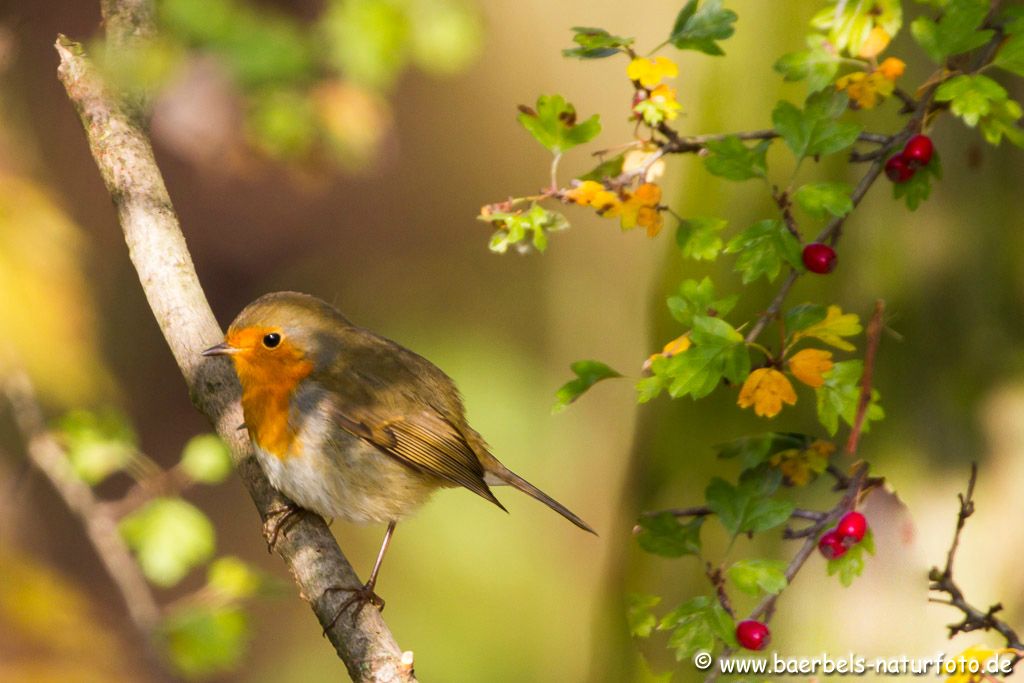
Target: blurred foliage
(51, 631)
(169, 537)
(49, 323)
(206, 459)
(310, 92)
(98, 443)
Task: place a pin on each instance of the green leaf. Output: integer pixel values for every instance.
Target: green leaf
(803, 316)
(588, 373)
(204, 640)
(814, 130)
(756, 576)
(840, 395)
(849, 24)
(513, 228)
(639, 616)
(665, 535)
(651, 387)
(553, 124)
(832, 328)
(958, 31)
(700, 370)
(763, 248)
(823, 199)
(718, 351)
(698, 298)
(819, 64)
(743, 508)
(696, 624)
(98, 443)
(971, 96)
(919, 187)
(700, 24)
(206, 459)
(699, 238)
(595, 43)
(1011, 54)
(731, 159)
(751, 451)
(169, 537)
(851, 564)
(1002, 121)
(609, 168)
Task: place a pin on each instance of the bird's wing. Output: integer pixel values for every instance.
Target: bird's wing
(404, 405)
(424, 441)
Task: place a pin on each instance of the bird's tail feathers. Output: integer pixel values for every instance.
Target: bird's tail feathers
(499, 474)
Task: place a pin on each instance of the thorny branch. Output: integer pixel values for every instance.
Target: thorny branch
(942, 582)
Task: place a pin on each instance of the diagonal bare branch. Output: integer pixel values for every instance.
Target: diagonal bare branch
(158, 251)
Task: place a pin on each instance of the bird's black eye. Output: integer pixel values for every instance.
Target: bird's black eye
(271, 340)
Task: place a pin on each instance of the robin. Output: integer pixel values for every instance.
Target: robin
(349, 424)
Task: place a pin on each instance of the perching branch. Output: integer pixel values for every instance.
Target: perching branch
(942, 582)
(48, 456)
(157, 249)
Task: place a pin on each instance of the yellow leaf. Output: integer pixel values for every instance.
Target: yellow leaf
(809, 365)
(766, 389)
(677, 345)
(876, 41)
(592, 193)
(647, 194)
(650, 72)
(639, 208)
(830, 330)
(651, 219)
(672, 348)
(892, 68)
(975, 653)
(799, 466)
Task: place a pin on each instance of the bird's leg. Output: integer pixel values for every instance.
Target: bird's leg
(277, 522)
(364, 595)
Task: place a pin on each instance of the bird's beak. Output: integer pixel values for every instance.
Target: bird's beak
(222, 349)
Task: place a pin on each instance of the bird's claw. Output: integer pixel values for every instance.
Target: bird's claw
(360, 598)
(277, 522)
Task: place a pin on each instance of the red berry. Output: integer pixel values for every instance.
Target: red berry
(752, 635)
(852, 527)
(831, 545)
(918, 151)
(899, 169)
(819, 258)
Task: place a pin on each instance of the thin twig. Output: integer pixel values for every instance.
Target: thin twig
(874, 334)
(942, 582)
(49, 457)
(853, 490)
(703, 511)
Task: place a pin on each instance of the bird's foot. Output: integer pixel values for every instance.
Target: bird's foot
(360, 598)
(277, 522)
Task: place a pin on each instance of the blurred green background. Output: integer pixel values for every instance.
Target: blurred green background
(383, 226)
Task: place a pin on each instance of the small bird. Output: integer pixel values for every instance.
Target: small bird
(349, 424)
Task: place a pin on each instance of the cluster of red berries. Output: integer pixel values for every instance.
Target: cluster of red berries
(916, 153)
(848, 533)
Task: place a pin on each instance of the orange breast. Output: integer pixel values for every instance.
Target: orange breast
(268, 386)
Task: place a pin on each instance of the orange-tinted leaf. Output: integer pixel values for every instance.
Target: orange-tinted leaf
(766, 389)
(809, 366)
